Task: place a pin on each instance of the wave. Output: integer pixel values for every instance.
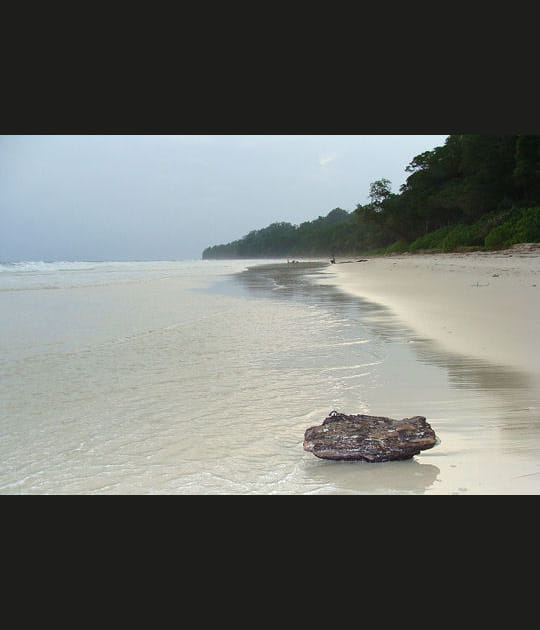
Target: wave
(64, 274)
(42, 265)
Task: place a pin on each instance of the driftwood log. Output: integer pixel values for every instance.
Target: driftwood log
(369, 438)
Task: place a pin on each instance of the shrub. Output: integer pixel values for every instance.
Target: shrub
(396, 248)
(499, 236)
(489, 221)
(459, 236)
(431, 240)
(527, 228)
(523, 227)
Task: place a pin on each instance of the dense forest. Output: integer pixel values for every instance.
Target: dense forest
(474, 192)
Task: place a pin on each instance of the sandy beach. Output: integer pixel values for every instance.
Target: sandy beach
(476, 315)
(480, 304)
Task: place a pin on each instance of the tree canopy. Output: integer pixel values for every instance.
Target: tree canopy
(474, 191)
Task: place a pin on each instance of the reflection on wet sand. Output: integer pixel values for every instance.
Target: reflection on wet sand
(463, 371)
(407, 476)
(296, 282)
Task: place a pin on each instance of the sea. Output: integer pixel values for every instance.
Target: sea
(201, 377)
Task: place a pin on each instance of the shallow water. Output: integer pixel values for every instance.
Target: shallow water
(199, 377)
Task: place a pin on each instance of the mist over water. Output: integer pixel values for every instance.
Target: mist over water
(200, 377)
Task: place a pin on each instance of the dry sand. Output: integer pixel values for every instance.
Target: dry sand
(477, 317)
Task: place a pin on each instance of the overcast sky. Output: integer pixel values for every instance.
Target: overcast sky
(151, 197)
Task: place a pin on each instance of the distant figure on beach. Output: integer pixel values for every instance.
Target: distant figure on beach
(333, 259)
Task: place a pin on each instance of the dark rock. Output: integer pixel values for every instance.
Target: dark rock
(369, 438)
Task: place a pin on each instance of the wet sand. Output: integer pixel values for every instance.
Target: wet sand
(476, 315)
(485, 305)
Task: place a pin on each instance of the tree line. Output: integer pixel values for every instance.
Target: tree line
(474, 192)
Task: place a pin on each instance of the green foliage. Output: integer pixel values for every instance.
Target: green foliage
(526, 174)
(324, 236)
(459, 236)
(522, 227)
(527, 227)
(431, 241)
(499, 237)
(397, 248)
(379, 191)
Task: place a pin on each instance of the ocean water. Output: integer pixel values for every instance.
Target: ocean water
(200, 377)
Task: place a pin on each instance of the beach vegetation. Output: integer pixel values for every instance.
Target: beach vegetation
(461, 235)
(522, 227)
(475, 191)
(432, 241)
(397, 248)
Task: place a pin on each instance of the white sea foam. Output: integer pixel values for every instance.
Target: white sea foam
(41, 265)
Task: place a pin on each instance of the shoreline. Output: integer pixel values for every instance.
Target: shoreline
(461, 343)
(479, 304)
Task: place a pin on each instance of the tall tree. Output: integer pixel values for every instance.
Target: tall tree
(379, 190)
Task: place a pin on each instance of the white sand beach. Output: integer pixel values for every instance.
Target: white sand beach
(477, 316)
(482, 304)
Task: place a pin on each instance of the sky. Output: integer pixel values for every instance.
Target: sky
(167, 197)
